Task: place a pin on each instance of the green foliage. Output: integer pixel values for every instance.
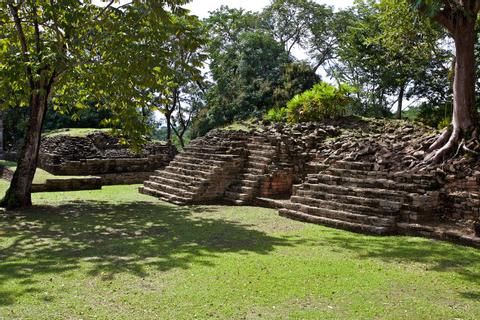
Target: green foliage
(435, 116)
(277, 114)
(297, 77)
(251, 69)
(321, 102)
(388, 54)
(446, 122)
(87, 53)
(305, 24)
(246, 73)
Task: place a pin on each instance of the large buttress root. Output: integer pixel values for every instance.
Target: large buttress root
(450, 143)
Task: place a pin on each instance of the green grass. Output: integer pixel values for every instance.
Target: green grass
(115, 254)
(75, 132)
(245, 125)
(41, 176)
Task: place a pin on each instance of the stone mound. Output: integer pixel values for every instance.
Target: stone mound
(102, 154)
(363, 175)
(98, 145)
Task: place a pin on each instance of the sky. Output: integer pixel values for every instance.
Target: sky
(202, 7)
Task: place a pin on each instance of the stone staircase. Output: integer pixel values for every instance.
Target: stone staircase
(352, 196)
(260, 153)
(200, 173)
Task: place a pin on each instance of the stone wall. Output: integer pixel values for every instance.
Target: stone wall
(100, 153)
(221, 179)
(52, 164)
(74, 184)
(462, 200)
(278, 183)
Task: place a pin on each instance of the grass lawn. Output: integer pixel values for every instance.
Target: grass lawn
(116, 254)
(74, 132)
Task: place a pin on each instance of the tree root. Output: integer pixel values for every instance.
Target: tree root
(470, 151)
(450, 144)
(444, 146)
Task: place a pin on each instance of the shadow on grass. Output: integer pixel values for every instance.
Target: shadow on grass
(126, 237)
(437, 256)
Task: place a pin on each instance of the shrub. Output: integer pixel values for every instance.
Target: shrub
(277, 114)
(445, 122)
(321, 102)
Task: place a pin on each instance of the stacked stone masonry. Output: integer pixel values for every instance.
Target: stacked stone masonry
(352, 196)
(201, 172)
(289, 168)
(102, 155)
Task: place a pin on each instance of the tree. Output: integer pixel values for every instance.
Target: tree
(361, 62)
(49, 49)
(384, 50)
(297, 77)
(302, 23)
(245, 67)
(408, 44)
(459, 18)
(185, 70)
(190, 102)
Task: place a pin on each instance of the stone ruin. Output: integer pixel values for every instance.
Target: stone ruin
(363, 175)
(100, 154)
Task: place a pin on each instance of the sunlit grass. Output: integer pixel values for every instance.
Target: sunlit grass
(116, 254)
(75, 132)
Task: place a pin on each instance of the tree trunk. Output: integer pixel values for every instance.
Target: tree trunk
(464, 113)
(400, 101)
(182, 141)
(18, 194)
(465, 117)
(168, 117)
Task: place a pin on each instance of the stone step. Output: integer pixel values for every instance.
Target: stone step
(205, 149)
(345, 206)
(175, 183)
(259, 140)
(388, 205)
(193, 166)
(254, 170)
(366, 183)
(185, 158)
(259, 159)
(260, 146)
(187, 172)
(180, 177)
(316, 167)
(250, 183)
(170, 190)
(217, 156)
(272, 203)
(236, 201)
(241, 189)
(425, 181)
(341, 215)
(257, 165)
(249, 176)
(356, 227)
(384, 194)
(367, 166)
(261, 153)
(231, 195)
(164, 196)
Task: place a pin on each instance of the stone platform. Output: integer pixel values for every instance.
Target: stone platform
(290, 171)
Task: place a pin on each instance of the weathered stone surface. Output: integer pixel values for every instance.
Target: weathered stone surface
(100, 153)
(359, 174)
